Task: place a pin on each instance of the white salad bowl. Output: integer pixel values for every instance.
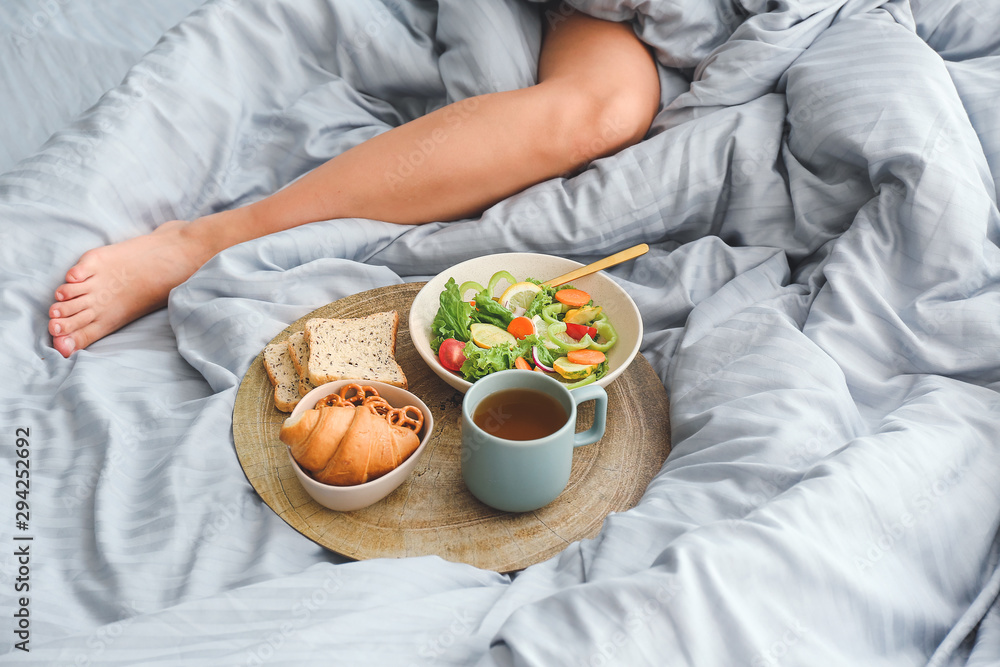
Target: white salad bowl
(615, 302)
(349, 498)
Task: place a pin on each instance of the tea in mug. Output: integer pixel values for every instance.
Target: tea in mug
(520, 414)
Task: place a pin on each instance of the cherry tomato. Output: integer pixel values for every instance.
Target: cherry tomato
(452, 354)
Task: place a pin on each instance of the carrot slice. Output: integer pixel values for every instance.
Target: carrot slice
(522, 363)
(586, 357)
(520, 327)
(574, 298)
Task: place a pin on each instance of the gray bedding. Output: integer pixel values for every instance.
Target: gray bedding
(820, 299)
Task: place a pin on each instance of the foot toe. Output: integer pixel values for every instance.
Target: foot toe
(83, 269)
(77, 275)
(79, 339)
(64, 345)
(68, 308)
(87, 335)
(70, 291)
(67, 325)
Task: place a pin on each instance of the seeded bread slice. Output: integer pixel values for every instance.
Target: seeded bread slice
(278, 364)
(362, 348)
(298, 351)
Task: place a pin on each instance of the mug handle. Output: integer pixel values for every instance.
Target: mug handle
(595, 432)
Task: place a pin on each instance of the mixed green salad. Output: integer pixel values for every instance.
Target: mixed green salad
(559, 331)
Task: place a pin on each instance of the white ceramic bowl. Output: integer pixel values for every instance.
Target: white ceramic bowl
(617, 304)
(349, 498)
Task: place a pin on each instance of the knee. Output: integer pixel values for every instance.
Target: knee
(617, 116)
(595, 118)
(605, 82)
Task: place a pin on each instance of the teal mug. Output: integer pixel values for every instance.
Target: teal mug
(524, 475)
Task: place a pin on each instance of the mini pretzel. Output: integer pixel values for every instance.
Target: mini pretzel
(360, 393)
(378, 405)
(331, 401)
(366, 396)
(401, 417)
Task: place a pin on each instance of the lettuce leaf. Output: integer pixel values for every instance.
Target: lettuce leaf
(480, 362)
(452, 318)
(541, 299)
(545, 355)
(489, 311)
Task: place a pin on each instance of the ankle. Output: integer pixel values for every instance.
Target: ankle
(213, 233)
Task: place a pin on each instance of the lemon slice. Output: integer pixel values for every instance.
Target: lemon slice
(519, 296)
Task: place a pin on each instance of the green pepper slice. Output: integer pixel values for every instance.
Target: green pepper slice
(496, 278)
(467, 285)
(605, 331)
(585, 381)
(560, 328)
(550, 311)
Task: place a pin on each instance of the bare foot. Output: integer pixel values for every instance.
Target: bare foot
(114, 285)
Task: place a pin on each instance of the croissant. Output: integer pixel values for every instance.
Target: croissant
(345, 444)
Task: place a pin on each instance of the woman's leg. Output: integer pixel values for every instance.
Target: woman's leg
(597, 93)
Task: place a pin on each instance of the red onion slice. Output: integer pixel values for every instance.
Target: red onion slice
(534, 355)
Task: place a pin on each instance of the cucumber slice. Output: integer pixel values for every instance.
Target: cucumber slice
(489, 335)
(571, 371)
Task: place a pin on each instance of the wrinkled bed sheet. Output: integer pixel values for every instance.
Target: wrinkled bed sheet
(820, 299)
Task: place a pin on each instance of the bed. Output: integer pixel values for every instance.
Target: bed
(820, 300)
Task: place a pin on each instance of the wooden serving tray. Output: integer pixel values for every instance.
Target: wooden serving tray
(433, 512)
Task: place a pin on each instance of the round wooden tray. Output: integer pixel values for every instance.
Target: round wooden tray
(433, 512)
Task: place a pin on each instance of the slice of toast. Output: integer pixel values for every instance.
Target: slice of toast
(362, 348)
(298, 351)
(278, 364)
